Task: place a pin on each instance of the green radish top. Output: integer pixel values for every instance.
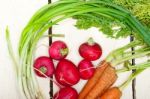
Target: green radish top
(64, 51)
(91, 41)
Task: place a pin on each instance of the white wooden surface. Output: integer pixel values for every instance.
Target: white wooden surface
(16, 13)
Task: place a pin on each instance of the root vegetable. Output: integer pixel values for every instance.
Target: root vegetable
(45, 65)
(90, 50)
(86, 69)
(66, 93)
(112, 93)
(58, 50)
(104, 82)
(67, 73)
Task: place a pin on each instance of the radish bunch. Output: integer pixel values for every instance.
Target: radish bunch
(66, 72)
(44, 65)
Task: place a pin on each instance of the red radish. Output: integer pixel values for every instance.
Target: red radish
(66, 93)
(86, 69)
(90, 50)
(67, 73)
(45, 65)
(58, 50)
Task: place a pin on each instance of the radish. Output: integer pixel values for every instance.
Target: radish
(90, 50)
(86, 69)
(67, 73)
(66, 93)
(45, 65)
(58, 50)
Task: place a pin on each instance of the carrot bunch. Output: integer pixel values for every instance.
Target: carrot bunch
(104, 77)
(106, 73)
(116, 92)
(99, 86)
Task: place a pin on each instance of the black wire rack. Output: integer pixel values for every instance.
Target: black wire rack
(50, 42)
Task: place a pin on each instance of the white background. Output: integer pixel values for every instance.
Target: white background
(16, 13)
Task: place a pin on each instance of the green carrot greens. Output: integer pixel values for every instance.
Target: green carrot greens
(102, 14)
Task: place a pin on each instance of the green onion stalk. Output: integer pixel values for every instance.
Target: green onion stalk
(50, 15)
(124, 54)
(129, 80)
(17, 68)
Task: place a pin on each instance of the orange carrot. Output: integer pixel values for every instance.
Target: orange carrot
(112, 93)
(105, 81)
(92, 81)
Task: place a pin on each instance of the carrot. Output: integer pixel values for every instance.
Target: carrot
(112, 93)
(92, 81)
(105, 81)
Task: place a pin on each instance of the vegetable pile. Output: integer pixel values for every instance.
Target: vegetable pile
(115, 18)
(66, 72)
